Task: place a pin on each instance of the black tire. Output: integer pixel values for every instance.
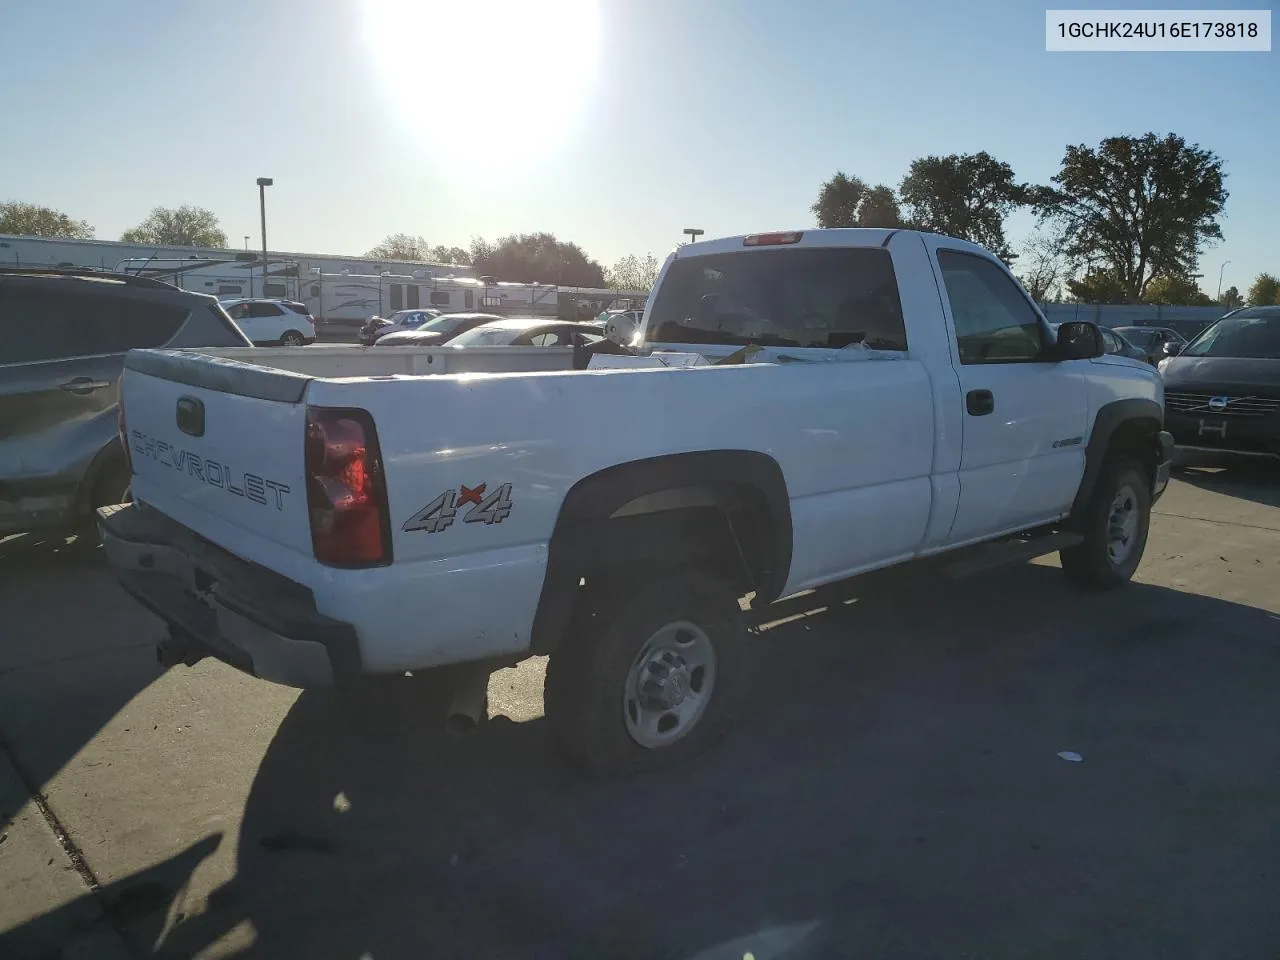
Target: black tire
(589, 673)
(1091, 565)
(291, 338)
(112, 486)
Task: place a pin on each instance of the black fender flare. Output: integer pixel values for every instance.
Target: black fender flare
(650, 485)
(1109, 419)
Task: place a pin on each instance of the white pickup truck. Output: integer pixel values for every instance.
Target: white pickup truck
(797, 409)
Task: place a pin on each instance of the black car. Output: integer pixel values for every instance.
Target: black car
(1151, 340)
(1222, 390)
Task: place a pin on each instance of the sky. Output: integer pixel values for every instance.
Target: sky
(611, 123)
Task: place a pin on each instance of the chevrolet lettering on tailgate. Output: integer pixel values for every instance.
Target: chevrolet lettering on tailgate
(251, 486)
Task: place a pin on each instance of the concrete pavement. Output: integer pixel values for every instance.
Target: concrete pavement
(896, 791)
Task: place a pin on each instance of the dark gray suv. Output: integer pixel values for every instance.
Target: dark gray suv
(63, 337)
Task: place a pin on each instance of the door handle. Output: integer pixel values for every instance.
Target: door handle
(979, 402)
(83, 385)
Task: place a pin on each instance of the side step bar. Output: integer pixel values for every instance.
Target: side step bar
(992, 555)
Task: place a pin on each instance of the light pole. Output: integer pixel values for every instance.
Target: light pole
(1220, 269)
(693, 233)
(263, 183)
(246, 241)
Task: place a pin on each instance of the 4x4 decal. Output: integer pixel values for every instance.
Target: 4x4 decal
(440, 513)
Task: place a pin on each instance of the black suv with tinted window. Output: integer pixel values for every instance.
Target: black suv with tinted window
(63, 337)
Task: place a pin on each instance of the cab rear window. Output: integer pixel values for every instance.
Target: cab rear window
(799, 297)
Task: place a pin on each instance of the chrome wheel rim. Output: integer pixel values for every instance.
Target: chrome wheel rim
(291, 339)
(1122, 525)
(669, 684)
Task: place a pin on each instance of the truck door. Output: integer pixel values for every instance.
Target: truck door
(1025, 416)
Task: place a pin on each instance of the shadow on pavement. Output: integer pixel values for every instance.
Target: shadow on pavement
(896, 792)
(1241, 477)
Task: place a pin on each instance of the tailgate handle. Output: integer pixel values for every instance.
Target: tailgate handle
(191, 416)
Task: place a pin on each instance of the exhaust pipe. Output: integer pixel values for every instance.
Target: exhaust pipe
(178, 648)
(470, 704)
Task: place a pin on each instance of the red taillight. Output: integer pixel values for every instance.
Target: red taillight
(346, 493)
(772, 239)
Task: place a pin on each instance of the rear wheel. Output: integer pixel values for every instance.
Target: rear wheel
(649, 675)
(1114, 523)
(291, 338)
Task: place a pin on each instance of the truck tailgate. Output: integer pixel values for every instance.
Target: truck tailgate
(217, 442)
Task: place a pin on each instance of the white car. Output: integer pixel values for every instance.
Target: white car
(801, 407)
(270, 323)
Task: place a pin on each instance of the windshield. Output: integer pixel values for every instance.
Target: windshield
(1137, 336)
(811, 297)
(487, 337)
(446, 324)
(1239, 336)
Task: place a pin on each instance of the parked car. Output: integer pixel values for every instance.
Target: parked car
(1222, 390)
(1115, 345)
(436, 332)
(378, 327)
(533, 332)
(889, 395)
(273, 323)
(1151, 340)
(63, 337)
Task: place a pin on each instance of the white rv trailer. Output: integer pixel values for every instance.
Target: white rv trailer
(221, 272)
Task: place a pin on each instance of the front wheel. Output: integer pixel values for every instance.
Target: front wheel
(1114, 523)
(291, 338)
(648, 675)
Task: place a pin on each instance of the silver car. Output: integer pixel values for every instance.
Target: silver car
(63, 337)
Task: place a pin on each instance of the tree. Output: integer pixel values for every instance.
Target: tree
(838, 200)
(1265, 291)
(184, 226)
(33, 220)
(399, 246)
(845, 201)
(1139, 207)
(633, 273)
(1045, 267)
(963, 195)
(1098, 286)
(879, 208)
(1178, 291)
(1231, 299)
(456, 255)
(535, 258)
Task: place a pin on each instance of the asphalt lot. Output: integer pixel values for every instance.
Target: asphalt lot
(896, 792)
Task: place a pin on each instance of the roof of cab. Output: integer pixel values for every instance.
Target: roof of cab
(813, 237)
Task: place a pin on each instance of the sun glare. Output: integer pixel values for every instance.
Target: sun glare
(495, 82)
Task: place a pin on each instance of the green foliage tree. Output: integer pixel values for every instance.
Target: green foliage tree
(1136, 207)
(963, 195)
(535, 258)
(879, 208)
(33, 220)
(633, 273)
(1177, 291)
(1098, 286)
(1231, 299)
(184, 226)
(847, 201)
(1265, 291)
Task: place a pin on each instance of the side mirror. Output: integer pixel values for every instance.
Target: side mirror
(1079, 340)
(1171, 349)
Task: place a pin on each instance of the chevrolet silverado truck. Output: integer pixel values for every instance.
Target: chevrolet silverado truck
(797, 408)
